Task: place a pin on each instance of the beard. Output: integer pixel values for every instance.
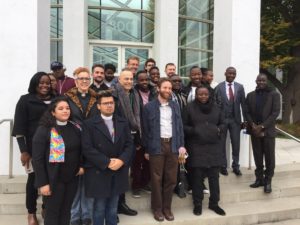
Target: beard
(165, 95)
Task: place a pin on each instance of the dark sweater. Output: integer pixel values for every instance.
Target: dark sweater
(49, 173)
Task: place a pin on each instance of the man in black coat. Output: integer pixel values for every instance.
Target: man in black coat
(262, 109)
(107, 147)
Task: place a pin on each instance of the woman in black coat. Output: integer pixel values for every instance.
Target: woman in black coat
(56, 150)
(29, 110)
(203, 123)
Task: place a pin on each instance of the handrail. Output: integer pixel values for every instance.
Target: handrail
(287, 134)
(10, 164)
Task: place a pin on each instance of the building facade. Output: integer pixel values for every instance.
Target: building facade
(208, 33)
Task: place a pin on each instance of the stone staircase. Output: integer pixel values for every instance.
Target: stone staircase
(243, 205)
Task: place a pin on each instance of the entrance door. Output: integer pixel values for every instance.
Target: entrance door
(118, 54)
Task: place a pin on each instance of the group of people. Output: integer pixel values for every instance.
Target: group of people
(83, 135)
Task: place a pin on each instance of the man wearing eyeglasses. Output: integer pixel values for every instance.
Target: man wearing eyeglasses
(107, 147)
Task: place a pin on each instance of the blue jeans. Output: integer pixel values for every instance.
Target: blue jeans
(105, 209)
(82, 206)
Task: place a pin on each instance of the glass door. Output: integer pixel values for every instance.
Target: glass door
(118, 55)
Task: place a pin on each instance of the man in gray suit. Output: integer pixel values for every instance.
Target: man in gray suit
(232, 96)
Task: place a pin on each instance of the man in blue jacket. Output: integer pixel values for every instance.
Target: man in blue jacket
(163, 140)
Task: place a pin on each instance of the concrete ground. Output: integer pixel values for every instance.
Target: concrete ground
(287, 151)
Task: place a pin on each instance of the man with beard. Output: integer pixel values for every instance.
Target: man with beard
(64, 83)
(170, 69)
(140, 166)
(195, 81)
(98, 84)
(262, 109)
(164, 140)
(109, 74)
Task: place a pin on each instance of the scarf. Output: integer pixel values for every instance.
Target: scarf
(205, 107)
(57, 147)
(130, 106)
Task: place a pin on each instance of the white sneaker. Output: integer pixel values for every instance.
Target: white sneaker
(205, 191)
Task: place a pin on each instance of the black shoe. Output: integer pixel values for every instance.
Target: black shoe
(197, 210)
(123, 208)
(268, 188)
(237, 172)
(179, 190)
(224, 171)
(257, 183)
(217, 210)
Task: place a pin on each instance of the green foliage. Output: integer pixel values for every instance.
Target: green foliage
(280, 33)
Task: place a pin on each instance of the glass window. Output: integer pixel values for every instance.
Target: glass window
(195, 34)
(130, 21)
(56, 24)
(56, 30)
(103, 55)
(56, 51)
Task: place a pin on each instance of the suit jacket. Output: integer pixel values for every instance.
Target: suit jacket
(98, 148)
(270, 111)
(239, 99)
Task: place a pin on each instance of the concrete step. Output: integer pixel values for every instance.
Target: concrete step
(18, 183)
(286, 222)
(243, 213)
(14, 204)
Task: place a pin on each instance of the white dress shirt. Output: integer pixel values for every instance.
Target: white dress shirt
(227, 89)
(165, 120)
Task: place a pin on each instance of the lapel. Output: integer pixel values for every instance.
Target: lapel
(236, 89)
(101, 126)
(223, 89)
(118, 124)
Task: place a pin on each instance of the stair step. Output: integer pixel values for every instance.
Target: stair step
(253, 212)
(286, 222)
(240, 192)
(18, 183)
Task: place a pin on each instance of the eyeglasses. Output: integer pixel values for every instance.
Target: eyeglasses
(107, 103)
(83, 78)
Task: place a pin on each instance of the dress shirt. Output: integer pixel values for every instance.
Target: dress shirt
(227, 89)
(165, 120)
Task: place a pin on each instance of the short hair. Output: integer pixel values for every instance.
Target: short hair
(133, 58)
(163, 80)
(202, 86)
(35, 80)
(204, 70)
(97, 65)
(194, 67)
(80, 70)
(104, 94)
(110, 66)
(150, 60)
(140, 72)
(169, 64)
(154, 68)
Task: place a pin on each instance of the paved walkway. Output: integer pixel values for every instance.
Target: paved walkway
(287, 151)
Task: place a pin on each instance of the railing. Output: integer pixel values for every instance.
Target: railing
(10, 164)
(287, 134)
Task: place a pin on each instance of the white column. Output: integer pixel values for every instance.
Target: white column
(237, 44)
(166, 33)
(75, 35)
(25, 49)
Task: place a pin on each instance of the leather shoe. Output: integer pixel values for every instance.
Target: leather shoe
(197, 210)
(268, 188)
(257, 183)
(168, 215)
(237, 172)
(32, 220)
(217, 210)
(224, 171)
(123, 208)
(158, 216)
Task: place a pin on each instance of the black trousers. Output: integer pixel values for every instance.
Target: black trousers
(199, 173)
(31, 194)
(58, 205)
(264, 148)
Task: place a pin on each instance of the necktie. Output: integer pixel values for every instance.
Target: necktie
(231, 97)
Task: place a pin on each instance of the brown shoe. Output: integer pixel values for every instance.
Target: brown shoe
(158, 216)
(168, 215)
(32, 220)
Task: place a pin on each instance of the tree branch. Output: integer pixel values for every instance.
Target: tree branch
(273, 79)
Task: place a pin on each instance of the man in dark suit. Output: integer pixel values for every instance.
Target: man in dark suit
(108, 149)
(262, 109)
(232, 96)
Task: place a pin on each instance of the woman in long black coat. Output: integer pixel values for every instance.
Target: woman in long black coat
(203, 123)
(29, 110)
